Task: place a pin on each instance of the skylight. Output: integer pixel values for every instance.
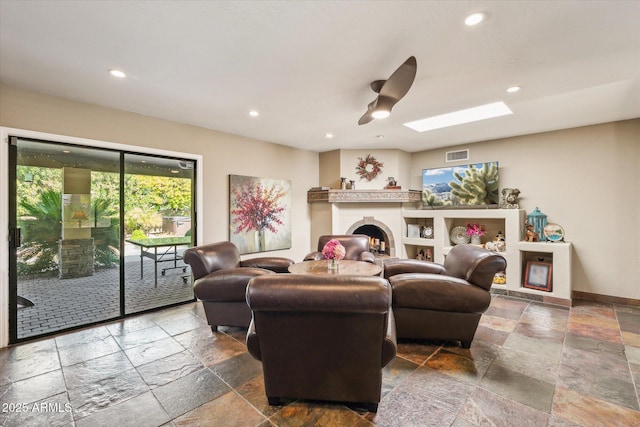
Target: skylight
(468, 115)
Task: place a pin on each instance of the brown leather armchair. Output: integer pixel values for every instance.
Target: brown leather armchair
(356, 246)
(322, 337)
(443, 302)
(221, 280)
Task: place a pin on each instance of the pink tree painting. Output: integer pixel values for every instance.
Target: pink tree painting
(259, 213)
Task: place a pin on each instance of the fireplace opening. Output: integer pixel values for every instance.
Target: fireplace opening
(378, 242)
(376, 230)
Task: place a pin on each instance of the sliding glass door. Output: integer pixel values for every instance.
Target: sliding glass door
(96, 234)
(158, 207)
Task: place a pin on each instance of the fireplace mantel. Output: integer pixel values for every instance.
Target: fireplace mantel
(362, 196)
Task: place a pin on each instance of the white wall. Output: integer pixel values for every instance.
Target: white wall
(342, 163)
(587, 180)
(222, 154)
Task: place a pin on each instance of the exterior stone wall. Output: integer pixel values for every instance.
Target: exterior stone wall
(76, 258)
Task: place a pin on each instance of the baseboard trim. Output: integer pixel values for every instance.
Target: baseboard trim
(607, 299)
(546, 299)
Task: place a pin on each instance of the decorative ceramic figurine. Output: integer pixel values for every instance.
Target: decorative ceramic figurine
(510, 198)
(498, 244)
(530, 235)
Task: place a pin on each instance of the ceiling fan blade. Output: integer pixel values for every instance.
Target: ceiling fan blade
(366, 118)
(401, 80)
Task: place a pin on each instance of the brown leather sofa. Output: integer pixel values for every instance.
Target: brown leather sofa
(355, 245)
(221, 280)
(322, 337)
(443, 302)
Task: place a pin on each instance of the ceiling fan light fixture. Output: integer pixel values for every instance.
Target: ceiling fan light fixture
(383, 106)
(381, 114)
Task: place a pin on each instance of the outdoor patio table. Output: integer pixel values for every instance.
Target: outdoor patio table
(149, 248)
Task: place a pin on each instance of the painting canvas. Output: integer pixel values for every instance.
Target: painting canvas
(259, 213)
(466, 185)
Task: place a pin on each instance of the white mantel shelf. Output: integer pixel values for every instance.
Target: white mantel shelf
(364, 196)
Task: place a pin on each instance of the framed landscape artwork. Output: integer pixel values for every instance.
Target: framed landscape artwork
(259, 213)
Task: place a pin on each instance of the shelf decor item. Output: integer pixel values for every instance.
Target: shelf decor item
(539, 221)
(475, 231)
(413, 230)
(538, 276)
(553, 233)
(510, 198)
(392, 184)
(500, 278)
(459, 235)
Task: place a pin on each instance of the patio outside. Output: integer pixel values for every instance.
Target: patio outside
(61, 304)
(70, 206)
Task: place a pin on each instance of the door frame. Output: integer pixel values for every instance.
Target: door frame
(5, 132)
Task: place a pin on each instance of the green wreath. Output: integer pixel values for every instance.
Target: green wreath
(368, 168)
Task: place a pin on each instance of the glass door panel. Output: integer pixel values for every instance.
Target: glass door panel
(158, 227)
(67, 262)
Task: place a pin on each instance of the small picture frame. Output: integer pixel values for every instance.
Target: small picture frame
(413, 230)
(538, 275)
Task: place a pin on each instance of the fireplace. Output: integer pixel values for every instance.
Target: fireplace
(375, 213)
(381, 237)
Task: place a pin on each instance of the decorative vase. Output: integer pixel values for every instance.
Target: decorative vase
(475, 239)
(333, 264)
(259, 241)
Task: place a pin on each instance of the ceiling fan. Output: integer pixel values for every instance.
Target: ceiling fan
(390, 91)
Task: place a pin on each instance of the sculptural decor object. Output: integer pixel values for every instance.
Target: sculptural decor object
(464, 185)
(510, 198)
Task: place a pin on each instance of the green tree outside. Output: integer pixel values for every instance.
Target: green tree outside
(147, 200)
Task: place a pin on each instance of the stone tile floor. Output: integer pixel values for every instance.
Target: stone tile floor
(530, 365)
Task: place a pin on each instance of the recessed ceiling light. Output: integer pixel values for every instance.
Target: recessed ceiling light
(254, 113)
(328, 135)
(66, 151)
(468, 115)
(174, 171)
(118, 73)
(513, 89)
(474, 19)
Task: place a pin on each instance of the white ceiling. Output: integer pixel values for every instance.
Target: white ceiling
(306, 65)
